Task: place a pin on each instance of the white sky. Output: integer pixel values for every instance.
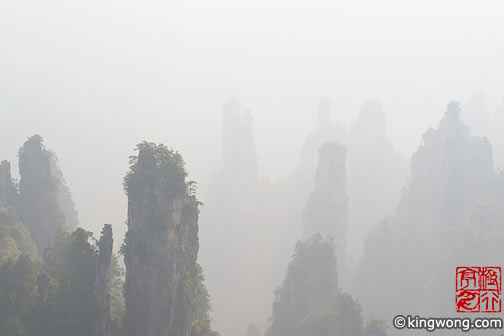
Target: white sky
(94, 77)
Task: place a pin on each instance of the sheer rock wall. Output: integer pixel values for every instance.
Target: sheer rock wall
(161, 245)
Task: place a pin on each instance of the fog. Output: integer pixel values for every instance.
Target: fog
(94, 78)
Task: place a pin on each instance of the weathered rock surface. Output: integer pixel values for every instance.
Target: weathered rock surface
(163, 287)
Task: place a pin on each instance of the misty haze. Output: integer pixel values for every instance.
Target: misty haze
(250, 168)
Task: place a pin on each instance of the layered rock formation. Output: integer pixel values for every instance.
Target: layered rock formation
(163, 290)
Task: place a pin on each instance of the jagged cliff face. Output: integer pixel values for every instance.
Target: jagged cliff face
(414, 253)
(38, 200)
(326, 211)
(162, 287)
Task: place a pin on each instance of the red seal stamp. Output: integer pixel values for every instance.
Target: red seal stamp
(478, 289)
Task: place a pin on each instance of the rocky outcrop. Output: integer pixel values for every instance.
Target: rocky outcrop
(163, 286)
(38, 199)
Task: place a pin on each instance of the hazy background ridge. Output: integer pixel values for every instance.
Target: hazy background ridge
(96, 77)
